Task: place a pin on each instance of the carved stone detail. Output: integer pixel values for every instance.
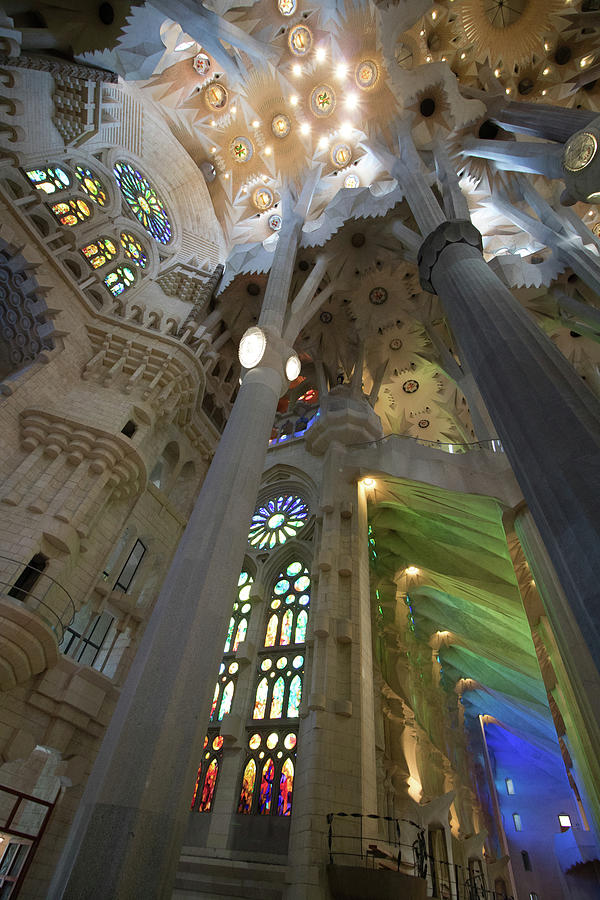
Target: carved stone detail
(459, 231)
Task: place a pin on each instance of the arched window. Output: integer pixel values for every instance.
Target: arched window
(71, 212)
(238, 624)
(143, 201)
(133, 249)
(276, 521)
(279, 689)
(291, 598)
(49, 180)
(208, 772)
(91, 185)
(224, 691)
(120, 280)
(267, 784)
(99, 253)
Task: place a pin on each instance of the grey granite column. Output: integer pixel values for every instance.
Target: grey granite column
(126, 837)
(546, 418)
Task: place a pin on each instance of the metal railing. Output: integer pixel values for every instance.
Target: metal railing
(494, 445)
(405, 852)
(43, 595)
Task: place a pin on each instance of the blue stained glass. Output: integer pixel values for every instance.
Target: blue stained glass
(301, 623)
(281, 587)
(143, 201)
(295, 697)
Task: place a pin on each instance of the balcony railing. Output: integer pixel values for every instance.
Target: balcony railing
(492, 446)
(38, 592)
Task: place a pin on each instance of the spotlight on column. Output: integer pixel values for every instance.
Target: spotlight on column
(252, 347)
(368, 482)
(292, 367)
(412, 570)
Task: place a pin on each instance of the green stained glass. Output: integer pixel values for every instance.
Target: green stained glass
(277, 520)
(281, 587)
(91, 185)
(277, 699)
(294, 569)
(226, 699)
(143, 201)
(301, 623)
(240, 634)
(229, 635)
(295, 696)
(286, 627)
(301, 583)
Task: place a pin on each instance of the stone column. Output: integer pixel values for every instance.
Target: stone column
(555, 123)
(546, 418)
(127, 834)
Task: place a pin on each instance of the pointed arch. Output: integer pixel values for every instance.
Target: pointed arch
(247, 791)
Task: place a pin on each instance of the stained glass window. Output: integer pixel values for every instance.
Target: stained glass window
(91, 185)
(286, 627)
(238, 624)
(260, 703)
(133, 249)
(277, 699)
(277, 520)
(71, 212)
(286, 786)
(49, 180)
(119, 280)
(295, 696)
(271, 634)
(291, 597)
(204, 790)
(143, 201)
(226, 700)
(248, 779)
(266, 788)
(99, 253)
(301, 623)
(208, 790)
(214, 701)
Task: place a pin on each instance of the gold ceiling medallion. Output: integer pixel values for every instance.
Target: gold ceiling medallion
(322, 101)
(215, 96)
(281, 125)
(262, 198)
(579, 151)
(241, 149)
(341, 154)
(287, 7)
(366, 74)
(300, 40)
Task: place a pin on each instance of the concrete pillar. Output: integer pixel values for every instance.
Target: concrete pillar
(555, 123)
(127, 834)
(552, 434)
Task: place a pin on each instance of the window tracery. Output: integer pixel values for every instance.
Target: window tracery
(120, 280)
(71, 212)
(50, 179)
(143, 201)
(98, 253)
(208, 773)
(91, 185)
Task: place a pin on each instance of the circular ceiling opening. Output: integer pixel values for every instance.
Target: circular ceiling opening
(488, 130)
(357, 239)
(562, 55)
(427, 107)
(253, 289)
(106, 13)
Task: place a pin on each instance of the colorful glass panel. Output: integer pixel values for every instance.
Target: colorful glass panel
(196, 788)
(301, 623)
(272, 740)
(214, 702)
(294, 569)
(248, 779)
(271, 631)
(260, 702)
(119, 280)
(133, 249)
(208, 790)
(99, 253)
(287, 7)
(240, 634)
(277, 699)
(268, 529)
(286, 786)
(295, 696)
(226, 699)
(254, 742)
(71, 212)
(266, 788)
(290, 741)
(91, 185)
(286, 628)
(49, 180)
(143, 201)
(229, 635)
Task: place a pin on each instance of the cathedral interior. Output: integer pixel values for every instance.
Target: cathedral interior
(299, 420)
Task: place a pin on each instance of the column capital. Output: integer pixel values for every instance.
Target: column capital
(457, 231)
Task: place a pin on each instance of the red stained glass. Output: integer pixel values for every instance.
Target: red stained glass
(266, 788)
(196, 788)
(249, 777)
(286, 785)
(209, 787)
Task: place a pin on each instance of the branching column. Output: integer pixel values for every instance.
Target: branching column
(127, 835)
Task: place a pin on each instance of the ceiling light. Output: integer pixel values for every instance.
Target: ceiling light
(463, 55)
(411, 570)
(546, 71)
(427, 59)
(255, 123)
(585, 61)
(434, 15)
(351, 101)
(443, 59)
(293, 100)
(323, 143)
(233, 110)
(320, 54)
(497, 73)
(267, 151)
(296, 69)
(368, 482)
(508, 90)
(422, 32)
(341, 70)
(346, 129)
(544, 92)
(213, 123)
(305, 128)
(226, 174)
(546, 46)
(213, 149)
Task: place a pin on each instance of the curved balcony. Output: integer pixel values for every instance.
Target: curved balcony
(34, 611)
